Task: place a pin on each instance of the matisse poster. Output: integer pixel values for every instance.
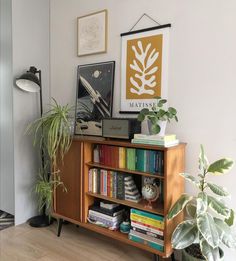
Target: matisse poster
(144, 68)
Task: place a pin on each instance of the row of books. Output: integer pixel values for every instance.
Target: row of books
(164, 141)
(113, 184)
(147, 228)
(106, 214)
(143, 160)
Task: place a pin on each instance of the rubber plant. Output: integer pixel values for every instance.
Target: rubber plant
(52, 133)
(208, 221)
(157, 114)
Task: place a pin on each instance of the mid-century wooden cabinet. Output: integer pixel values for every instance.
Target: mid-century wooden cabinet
(73, 205)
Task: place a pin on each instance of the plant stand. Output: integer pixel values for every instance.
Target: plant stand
(40, 221)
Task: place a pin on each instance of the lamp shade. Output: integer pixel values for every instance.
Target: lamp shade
(28, 81)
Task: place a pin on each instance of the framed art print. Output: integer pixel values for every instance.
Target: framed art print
(144, 67)
(92, 33)
(94, 97)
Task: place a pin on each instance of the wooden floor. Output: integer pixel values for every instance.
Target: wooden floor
(24, 243)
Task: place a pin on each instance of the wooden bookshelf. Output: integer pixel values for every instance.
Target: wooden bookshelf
(74, 205)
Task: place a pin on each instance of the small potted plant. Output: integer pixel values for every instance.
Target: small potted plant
(208, 220)
(158, 116)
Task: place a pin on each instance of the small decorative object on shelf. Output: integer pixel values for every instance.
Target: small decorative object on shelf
(150, 191)
(125, 227)
(157, 116)
(131, 191)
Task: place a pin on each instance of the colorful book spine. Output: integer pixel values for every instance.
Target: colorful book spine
(148, 221)
(147, 214)
(146, 242)
(122, 158)
(146, 237)
(147, 227)
(151, 234)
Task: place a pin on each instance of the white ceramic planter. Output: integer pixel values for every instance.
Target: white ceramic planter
(147, 125)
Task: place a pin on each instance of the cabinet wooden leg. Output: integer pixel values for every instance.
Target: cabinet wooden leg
(172, 257)
(155, 257)
(59, 226)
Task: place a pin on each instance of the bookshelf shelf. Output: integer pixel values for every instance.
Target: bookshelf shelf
(121, 237)
(158, 208)
(135, 172)
(74, 205)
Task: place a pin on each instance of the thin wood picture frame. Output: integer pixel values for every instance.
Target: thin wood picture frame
(94, 98)
(92, 33)
(144, 67)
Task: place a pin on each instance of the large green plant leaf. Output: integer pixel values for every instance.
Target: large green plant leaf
(191, 209)
(206, 226)
(221, 166)
(185, 234)
(179, 205)
(190, 178)
(230, 221)
(218, 190)
(201, 203)
(210, 253)
(218, 207)
(225, 233)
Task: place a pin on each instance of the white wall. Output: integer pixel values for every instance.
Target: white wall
(201, 74)
(30, 30)
(6, 110)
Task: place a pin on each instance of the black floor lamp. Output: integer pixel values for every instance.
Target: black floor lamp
(30, 82)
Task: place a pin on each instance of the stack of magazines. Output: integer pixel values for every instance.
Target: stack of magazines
(168, 140)
(106, 214)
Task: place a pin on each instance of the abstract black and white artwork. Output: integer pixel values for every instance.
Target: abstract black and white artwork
(94, 97)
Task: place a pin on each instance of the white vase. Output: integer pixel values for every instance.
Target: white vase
(146, 127)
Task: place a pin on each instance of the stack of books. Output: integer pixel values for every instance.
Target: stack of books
(147, 228)
(131, 191)
(168, 140)
(106, 214)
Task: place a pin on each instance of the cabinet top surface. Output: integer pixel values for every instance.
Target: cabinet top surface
(122, 143)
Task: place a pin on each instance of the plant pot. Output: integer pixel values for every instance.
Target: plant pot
(146, 127)
(187, 257)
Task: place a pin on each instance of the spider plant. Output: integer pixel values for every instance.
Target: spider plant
(53, 132)
(44, 188)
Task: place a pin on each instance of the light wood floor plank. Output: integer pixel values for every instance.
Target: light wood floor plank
(24, 243)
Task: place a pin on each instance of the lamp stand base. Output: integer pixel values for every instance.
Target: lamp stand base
(40, 221)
